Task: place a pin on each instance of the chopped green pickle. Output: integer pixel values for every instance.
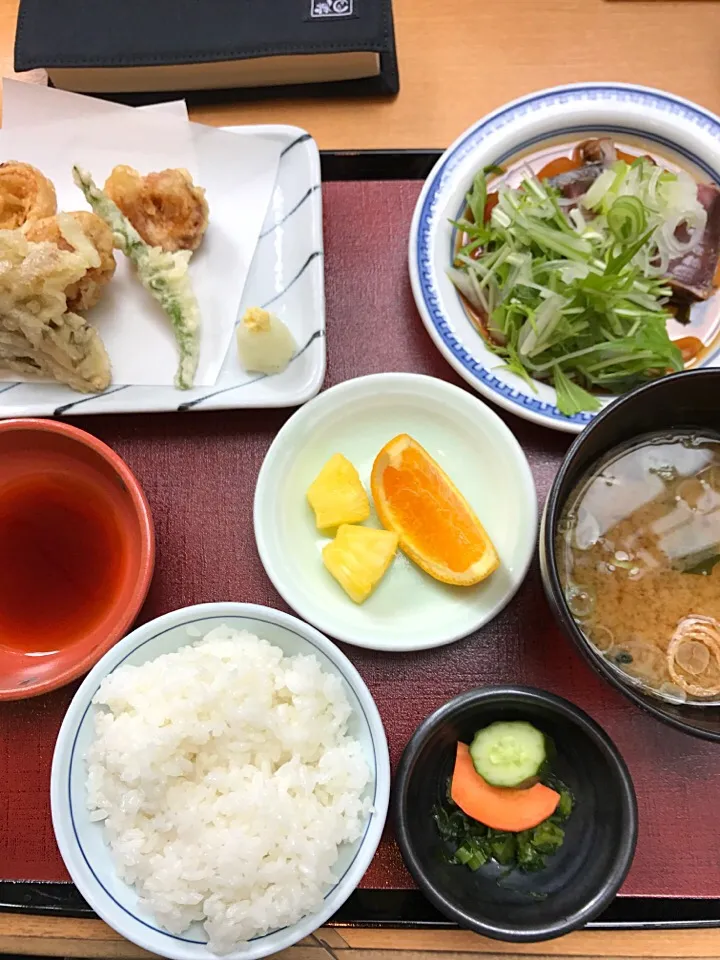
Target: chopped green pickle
(472, 844)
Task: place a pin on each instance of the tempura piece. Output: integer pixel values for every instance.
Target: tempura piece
(163, 274)
(86, 292)
(166, 208)
(265, 345)
(25, 194)
(38, 336)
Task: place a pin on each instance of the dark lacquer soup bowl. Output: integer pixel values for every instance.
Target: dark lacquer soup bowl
(685, 402)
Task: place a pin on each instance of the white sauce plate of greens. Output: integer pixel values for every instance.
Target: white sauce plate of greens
(589, 279)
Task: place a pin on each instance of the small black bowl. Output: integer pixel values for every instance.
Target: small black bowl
(684, 400)
(580, 880)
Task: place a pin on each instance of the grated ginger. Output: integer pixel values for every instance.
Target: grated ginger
(265, 345)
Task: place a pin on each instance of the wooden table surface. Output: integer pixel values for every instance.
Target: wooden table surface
(462, 58)
(458, 60)
(26, 936)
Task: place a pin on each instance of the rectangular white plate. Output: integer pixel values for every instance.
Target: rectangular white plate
(286, 276)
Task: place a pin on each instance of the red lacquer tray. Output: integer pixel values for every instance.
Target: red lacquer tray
(198, 471)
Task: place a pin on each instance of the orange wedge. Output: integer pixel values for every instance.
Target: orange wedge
(436, 525)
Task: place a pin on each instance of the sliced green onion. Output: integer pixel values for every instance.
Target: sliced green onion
(463, 854)
(597, 190)
(627, 219)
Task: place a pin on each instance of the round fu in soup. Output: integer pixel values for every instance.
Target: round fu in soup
(638, 553)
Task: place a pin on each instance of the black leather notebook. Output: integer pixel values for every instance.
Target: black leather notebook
(129, 47)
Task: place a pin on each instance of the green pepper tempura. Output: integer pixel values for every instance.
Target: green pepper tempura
(163, 274)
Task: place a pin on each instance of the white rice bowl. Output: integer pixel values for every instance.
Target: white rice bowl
(228, 782)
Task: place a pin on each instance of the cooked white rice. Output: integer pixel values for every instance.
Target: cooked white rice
(227, 781)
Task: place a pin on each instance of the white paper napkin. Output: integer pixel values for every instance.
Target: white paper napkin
(28, 103)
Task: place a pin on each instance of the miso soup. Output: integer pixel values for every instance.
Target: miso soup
(638, 551)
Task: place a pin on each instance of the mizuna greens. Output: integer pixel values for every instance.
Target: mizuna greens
(574, 291)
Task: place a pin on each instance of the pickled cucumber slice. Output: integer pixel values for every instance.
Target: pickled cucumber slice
(509, 753)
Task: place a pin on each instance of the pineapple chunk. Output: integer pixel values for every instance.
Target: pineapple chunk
(337, 495)
(358, 558)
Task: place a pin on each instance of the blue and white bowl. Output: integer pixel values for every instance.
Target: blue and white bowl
(680, 129)
(81, 841)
